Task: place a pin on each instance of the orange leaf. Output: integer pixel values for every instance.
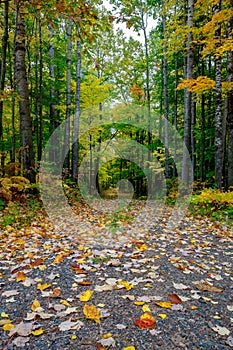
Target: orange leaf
(36, 262)
(174, 299)
(21, 277)
(145, 323)
(85, 283)
(56, 292)
(77, 269)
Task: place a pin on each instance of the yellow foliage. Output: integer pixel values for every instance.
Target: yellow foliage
(199, 85)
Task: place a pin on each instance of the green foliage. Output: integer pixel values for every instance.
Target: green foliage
(213, 204)
(20, 213)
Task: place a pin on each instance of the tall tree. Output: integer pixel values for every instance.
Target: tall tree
(3, 61)
(219, 155)
(188, 96)
(22, 87)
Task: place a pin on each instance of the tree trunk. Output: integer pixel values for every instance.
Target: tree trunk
(22, 86)
(188, 99)
(219, 155)
(77, 115)
(68, 98)
(165, 87)
(230, 105)
(3, 61)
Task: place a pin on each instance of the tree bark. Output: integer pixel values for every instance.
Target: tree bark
(219, 156)
(188, 98)
(3, 61)
(230, 105)
(77, 115)
(22, 87)
(165, 90)
(68, 98)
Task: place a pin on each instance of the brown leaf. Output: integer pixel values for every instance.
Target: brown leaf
(174, 299)
(205, 286)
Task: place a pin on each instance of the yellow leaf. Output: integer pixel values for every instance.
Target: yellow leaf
(127, 285)
(3, 314)
(42, 267)
(146, 308)
(8, 327)
(164, 304)
(162, 316)
(37, 332)
(148, 285)
(74, 337)
(139, 303)
(147, 316)
(5, 321)
(86, 296)
(43, 286)
(129, 348)
(193, 307)
(65, 302)
(106, 336)
(91, 312)
(35, 305)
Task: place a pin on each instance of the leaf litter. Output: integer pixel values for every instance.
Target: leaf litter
(45, 278)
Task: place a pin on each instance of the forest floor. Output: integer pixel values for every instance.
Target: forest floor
(110, 284)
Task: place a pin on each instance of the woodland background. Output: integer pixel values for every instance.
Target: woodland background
(59, 58)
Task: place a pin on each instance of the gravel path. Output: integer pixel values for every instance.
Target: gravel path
(192, 262)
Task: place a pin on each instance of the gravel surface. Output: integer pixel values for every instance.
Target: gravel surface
(193, 261)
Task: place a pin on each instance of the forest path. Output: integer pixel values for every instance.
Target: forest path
(151, 287)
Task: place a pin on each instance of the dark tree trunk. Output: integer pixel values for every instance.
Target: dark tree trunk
(3, 61)
(68, 98)
(230, 105)
(22, 87)
(77, 115)
(188, 98)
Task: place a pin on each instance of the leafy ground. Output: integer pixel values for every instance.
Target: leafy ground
(110, 284)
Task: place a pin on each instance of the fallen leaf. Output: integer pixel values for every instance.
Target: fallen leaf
(174, 299)
(206, 286)
(43, 286)
(86, 296)
(108, 342)
(8, 327)
(35, 305)
(91, 312)
(146, 321)
(220, 330)
(21, 277)
(37, 332)
(10, 293)
(164, 304)
(146, 308)
(126, 284)
(23, 329)
(163, 316)
(129, 348)
(67, 325)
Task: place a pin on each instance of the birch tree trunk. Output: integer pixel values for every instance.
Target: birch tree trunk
(219, 156)
(22, 87)
(165, 88)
